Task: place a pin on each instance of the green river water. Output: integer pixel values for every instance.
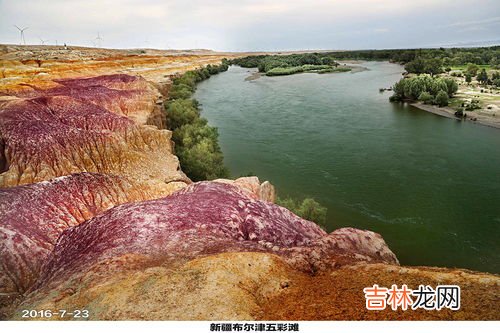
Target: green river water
(429, 185)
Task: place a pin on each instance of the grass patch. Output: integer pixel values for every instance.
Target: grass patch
(464, 67)
(321, 69)
(335, 70)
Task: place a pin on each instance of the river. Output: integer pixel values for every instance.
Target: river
(429, 185)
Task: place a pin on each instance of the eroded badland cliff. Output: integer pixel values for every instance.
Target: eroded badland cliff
(96, 213)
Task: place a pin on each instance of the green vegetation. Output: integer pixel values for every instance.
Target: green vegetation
(428, 89)
(334, 70)
(419, 61)
(442, 98)
(285, 70)
(274, 65)
(196, 143)
(466, 66)
(309, 209)
(472, 69)
(474, 104)
(482, 77)
(426, 98)
(495, 79)
(430, 66)
(305, 68)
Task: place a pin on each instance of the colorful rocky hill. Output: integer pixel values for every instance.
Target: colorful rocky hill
(96, 213)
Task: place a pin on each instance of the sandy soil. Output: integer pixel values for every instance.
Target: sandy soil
(338, 295)
(477, 117)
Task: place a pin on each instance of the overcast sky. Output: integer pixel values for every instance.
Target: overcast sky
(252, 25)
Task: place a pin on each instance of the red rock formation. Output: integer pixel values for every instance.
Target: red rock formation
(63, 128)
(32, 217)
(202, 219)
(80, 126)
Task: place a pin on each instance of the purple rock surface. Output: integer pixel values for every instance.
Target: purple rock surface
(32, 217)
(202, 219)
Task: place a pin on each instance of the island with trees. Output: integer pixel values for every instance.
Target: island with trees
(461, 83)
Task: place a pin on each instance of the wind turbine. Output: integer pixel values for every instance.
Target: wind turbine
(22, 33)
(99, 39)
(43, 41)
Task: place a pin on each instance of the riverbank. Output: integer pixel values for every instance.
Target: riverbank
(449, 112)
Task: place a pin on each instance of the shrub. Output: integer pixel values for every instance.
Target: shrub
(181, 112)
(334, 70)
(199, 152)
(451, 86)
(180, 91)
(309, 209)
(315, 67)
(472, 69)
(284, 71)
(395, 98)
(474, 104)
(442, 98)
(482, 77)
(425, 98)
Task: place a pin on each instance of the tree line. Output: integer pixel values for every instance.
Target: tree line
(425, 88)
(419, 61)
(196, 143)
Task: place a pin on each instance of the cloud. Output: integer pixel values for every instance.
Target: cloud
(245, 24)
(485, 21)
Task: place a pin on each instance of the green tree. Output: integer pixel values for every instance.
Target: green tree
(309, 209)
(472, 69)
(495, 79)
(482, 77)
(181, 112)
(451, 85)
(442, 98)
(416, 66)
(434, 86)
(180, 91)
(425, 98)
(310, 59)
(433, 66)
(327, 61)
(468, 78)
(199, 152)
